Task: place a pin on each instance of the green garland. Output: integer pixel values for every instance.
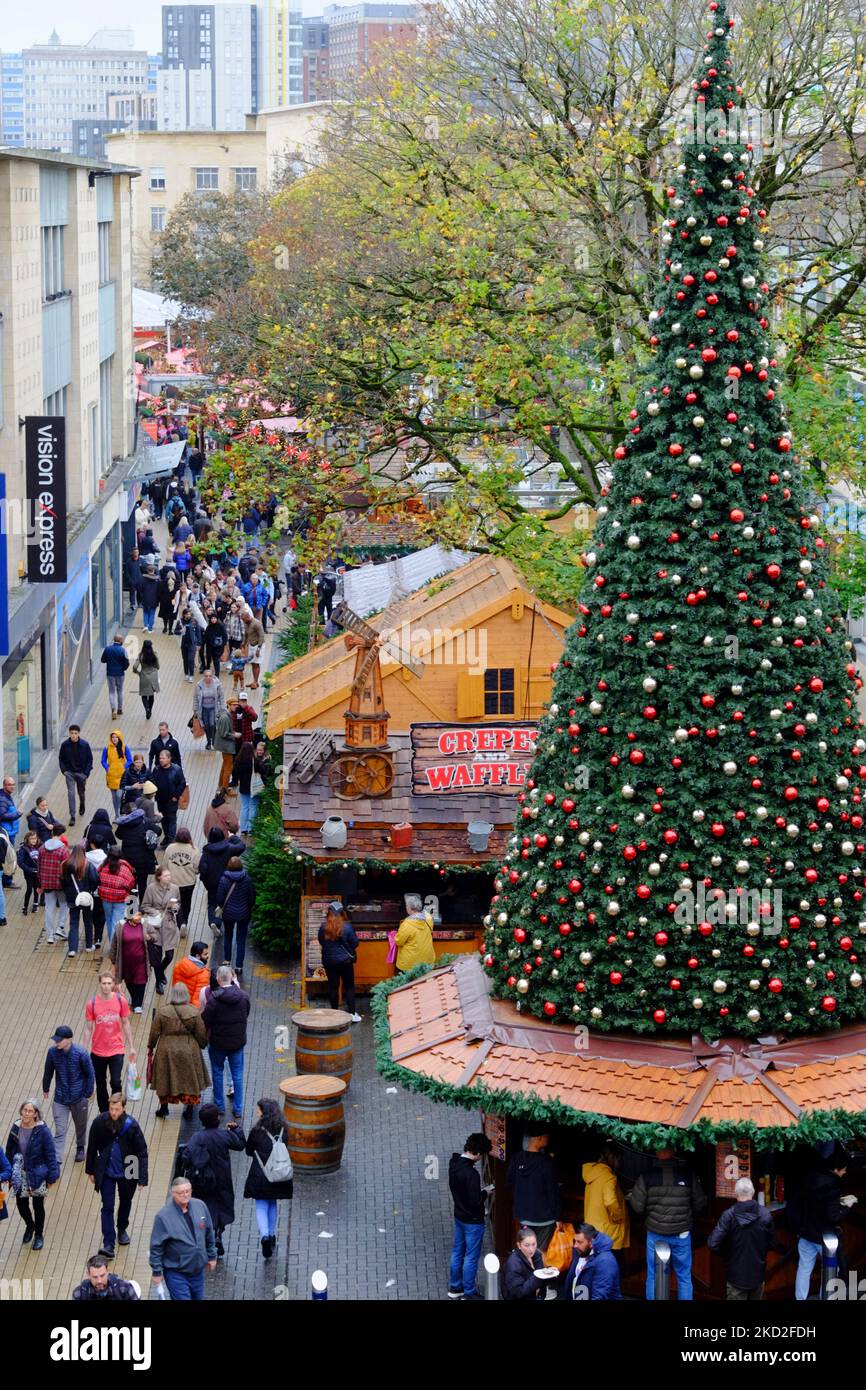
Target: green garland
(817, 1127)
(372, 865)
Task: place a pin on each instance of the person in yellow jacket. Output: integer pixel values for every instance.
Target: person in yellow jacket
(415, 935)
(604, 1205)
(116, 758)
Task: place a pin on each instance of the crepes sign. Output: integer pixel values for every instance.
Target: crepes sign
(467, 758)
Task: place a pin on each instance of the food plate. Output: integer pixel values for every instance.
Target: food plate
(548, 1272)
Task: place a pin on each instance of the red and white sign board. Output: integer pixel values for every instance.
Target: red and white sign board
(464, 759)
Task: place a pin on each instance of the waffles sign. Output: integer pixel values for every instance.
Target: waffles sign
(467, 758)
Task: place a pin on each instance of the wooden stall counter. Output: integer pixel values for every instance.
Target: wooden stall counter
(372, 964)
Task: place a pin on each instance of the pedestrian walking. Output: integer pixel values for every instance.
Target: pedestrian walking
(9, 862)
(170, 786)
(159, 908)
(177, 1039)
(743, 1236)
(214, 644)
(249, 773)
(75, 757)
(519, 1283)
(236, 899)
(207, 1164)
(42, 820)
(138, 834)
(149, 591)
(225, 1017)
(593, 1274)
(129, 955)
(535, 1195)
(116, 1164)
(269, 1180)
(74, 1083)
(669, 1197)
(190, 641)
(208, 703)
(244, 719)
(99, 834)
(192, 971)
(116, 882)
(28, 863)
(49, 867)
(222, 815)
(225, 743)
(182, 1244)
(116, 664)
(31, 1151)
(80, 884)
(10, 820)
(212, 864)
(817, 1208)
(464, 1182)
(146, 667)
(255, 639)
(107, 1035)
(102, 1287)
(181, 858)
(604, 1205)
(132, 579)
(168, 586)
(415, 935)
(339, 945)
(116, 758)
(164, 740)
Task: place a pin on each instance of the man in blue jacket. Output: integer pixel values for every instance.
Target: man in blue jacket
(116, 664)
(74, 1084)
(10, 819)
(593, 1274)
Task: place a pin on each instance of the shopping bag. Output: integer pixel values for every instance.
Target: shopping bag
(183, 799)
(197, 727)
(391, 957)
(561, 1248)
(133, 1082)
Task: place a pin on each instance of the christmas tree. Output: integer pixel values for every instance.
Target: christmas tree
(688, 851)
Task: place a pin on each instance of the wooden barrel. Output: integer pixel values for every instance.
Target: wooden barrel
(313, 1107)
(324, 1043)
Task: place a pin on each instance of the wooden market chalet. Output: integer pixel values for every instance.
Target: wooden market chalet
(405, 742)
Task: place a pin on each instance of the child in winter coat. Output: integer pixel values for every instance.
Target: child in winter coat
(28, 860)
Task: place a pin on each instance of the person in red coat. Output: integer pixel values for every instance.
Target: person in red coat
(131, 961)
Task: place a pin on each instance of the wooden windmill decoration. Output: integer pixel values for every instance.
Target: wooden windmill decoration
(365, 766)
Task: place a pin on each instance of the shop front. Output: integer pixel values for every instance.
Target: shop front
(105, 588)
(73, 635)
(25, 708)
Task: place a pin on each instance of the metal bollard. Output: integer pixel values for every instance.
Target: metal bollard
(491, 1270)
(319, 1282)
(662, 1272)
(829, 1261)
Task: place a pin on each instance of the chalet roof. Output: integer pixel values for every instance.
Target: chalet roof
(439, 821)
(441, 1033)
(465, 598)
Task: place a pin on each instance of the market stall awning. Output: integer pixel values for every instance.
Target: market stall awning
(442, 1034)
(155, 459)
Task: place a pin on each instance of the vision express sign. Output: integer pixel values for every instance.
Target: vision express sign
(467, 758)
(45, 457)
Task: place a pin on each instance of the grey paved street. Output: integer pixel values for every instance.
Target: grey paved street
(388, 1225)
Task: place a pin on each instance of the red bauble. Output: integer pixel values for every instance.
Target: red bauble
(659, 1016)
(511, 981)
(773, 571)
(649, 711)
(816, 684)
(775, 985)
(565, 928)
(519, 935)
(828, 1004)
(549, 1008)
(709, 354)
(675, 450)
(615, 977)
(736, 515)
(643, 891)
(791, 793)
(661, 938)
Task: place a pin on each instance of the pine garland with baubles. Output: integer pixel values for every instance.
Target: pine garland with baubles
(689, 851)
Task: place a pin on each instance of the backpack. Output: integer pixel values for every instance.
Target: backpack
(10, 860)
(279, 1165)
(200, 1171)
(151, 838)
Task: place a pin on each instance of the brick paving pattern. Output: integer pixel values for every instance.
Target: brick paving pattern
(387, 1220)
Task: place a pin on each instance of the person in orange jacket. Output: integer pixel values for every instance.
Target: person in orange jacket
(193, 971)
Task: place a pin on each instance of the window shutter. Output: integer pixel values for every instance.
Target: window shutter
(539, 691)
(470, 696)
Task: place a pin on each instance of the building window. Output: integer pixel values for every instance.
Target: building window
(55, 404)
(157, 219)
(499, 691)
(245, 180)
(105, 415)
(157, 180)
(206, 180)
(52, 262)
(104, 233)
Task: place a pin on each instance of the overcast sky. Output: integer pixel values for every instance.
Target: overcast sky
(77, 20)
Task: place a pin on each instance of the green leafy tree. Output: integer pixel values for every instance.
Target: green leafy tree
(689, 850)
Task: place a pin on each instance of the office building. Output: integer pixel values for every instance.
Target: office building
(360, 36)
(11, 99)
(281, 54)
(65, 82)
(316, 54)
(66, 349)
